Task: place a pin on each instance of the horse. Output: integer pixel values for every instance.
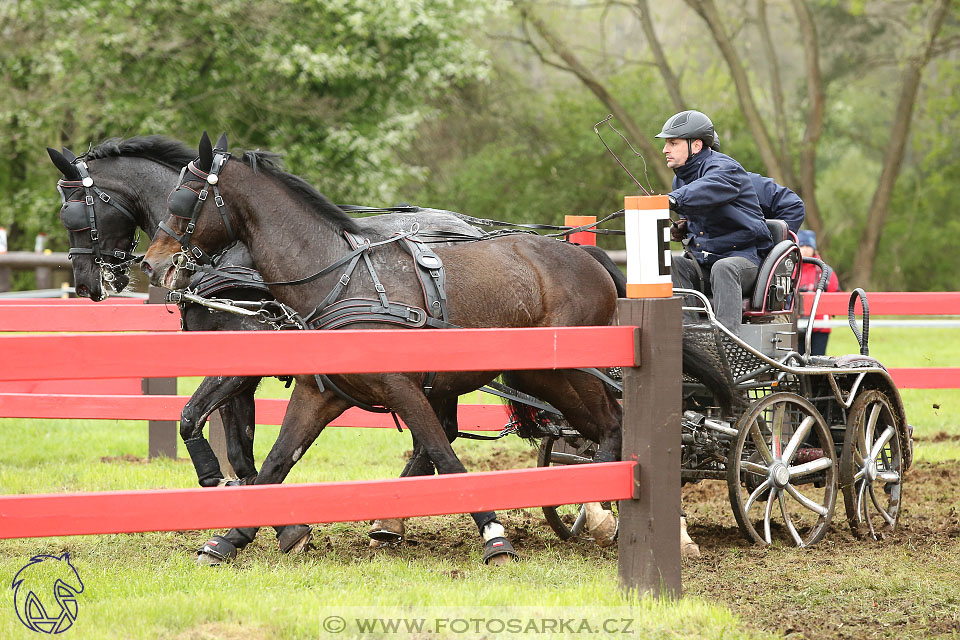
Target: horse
(519, 280)
(131, 180)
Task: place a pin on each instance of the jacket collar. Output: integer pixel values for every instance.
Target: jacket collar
(691, 169)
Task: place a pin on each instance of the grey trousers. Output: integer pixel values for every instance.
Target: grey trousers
(729, 278)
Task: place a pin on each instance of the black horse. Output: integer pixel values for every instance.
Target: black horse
(292, 230)
(130, 181)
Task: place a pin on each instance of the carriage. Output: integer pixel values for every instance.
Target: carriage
(798, 430)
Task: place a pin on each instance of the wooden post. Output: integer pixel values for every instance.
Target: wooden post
(163, 434)
(581, 237)
(5, 273)
(649, 539)
(218, 442)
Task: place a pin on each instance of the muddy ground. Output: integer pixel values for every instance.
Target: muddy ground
(906, 585)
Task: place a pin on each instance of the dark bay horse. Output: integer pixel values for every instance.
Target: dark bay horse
(510, 281)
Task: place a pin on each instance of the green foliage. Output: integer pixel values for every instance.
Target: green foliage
(339, 86)
(542, 160)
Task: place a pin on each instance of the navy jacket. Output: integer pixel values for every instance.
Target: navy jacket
(778, 202)
(718, 199)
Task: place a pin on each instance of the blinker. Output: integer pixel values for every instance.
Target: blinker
(181, 202)
(73, 214)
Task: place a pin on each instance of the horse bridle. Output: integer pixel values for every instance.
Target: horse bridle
(91, 192)
(180, 200)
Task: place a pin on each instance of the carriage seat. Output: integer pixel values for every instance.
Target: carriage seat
(778, 276)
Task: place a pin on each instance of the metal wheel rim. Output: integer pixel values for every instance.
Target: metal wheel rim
(872, 495)
(779, 506)
(567, 521)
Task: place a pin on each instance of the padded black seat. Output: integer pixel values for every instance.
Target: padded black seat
(778, 276)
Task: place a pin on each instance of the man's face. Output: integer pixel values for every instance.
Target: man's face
(677, 152)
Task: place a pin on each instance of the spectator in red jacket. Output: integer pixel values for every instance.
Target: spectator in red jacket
(809, 276)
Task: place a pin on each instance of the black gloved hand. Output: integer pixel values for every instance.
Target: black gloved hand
(678, 230)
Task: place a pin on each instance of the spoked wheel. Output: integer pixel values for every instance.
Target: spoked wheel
(567, 521)
(782, 472)
(871, 466)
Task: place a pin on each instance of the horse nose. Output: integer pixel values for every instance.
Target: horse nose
(83, 291)
(146, 267)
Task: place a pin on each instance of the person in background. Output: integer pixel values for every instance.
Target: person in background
(809, 276)
(777, 202)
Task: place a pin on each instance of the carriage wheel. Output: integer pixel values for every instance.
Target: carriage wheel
(871, 466)
(782, 472)
(570, 520)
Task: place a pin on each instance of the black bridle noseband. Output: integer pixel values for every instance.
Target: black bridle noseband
(81, 215)
(183, 199)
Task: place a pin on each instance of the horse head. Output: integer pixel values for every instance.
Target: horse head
(188, 235)
(101, 227)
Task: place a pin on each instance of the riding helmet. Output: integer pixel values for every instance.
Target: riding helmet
(689, 125)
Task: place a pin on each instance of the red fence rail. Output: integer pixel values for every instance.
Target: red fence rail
(176, 510)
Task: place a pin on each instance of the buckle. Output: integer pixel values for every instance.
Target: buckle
(202, 195)
(94, 236)
(379, 288)
(219, 201)
(104, 196)
(197, 252)
(89, 200)
(344, 279)
(414, 315)
(190, 227)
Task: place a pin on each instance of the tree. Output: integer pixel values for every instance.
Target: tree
(339, 86)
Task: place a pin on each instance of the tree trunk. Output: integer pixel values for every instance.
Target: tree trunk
(893, 157)
(776, 92)
(663, 65)
(637, 134)
(814, 128)
(707, 10)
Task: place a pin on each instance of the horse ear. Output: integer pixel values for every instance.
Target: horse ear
(222, 142)
(69, 155)
(65, 166)
(206, 153)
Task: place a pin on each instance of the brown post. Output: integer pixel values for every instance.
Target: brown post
(5, 273)
(44, 277)
(163, 434)
(218, 442)
(649, 539)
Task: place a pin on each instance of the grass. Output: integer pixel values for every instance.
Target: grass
(147, 585)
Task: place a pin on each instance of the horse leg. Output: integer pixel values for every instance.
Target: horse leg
(213, 392)
(392, 530)
(688, 548)
(591, 408)
(238, 416)
(413, 407)
(308, 412)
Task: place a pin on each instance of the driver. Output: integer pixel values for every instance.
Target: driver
(723, 226)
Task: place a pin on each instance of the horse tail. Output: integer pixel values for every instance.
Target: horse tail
(619, 280)
(530, 422)
(716, 379)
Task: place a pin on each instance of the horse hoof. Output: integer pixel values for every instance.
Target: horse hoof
(499, 551)
(689, 550)
(605, 533)
(294, 538)
(216, 551)
(386, 532)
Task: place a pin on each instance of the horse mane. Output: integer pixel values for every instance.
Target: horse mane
(268, 163)
(162, 149)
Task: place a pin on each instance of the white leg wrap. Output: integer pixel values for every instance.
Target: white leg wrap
(492, 530)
